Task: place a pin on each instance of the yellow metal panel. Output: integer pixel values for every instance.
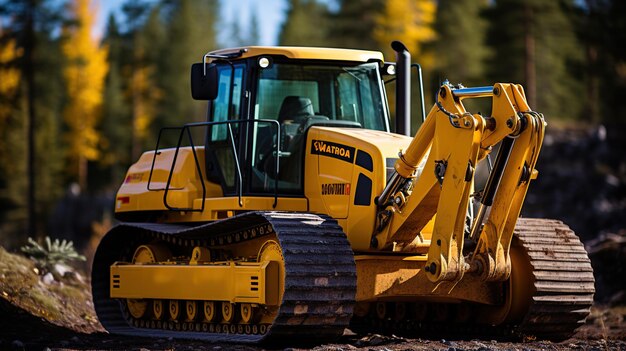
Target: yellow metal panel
(402, 278)
(306, 53)
(241, 282)
(323, 170)
(222, 207)
(185, 185)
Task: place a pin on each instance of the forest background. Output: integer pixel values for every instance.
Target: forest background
(77, 110)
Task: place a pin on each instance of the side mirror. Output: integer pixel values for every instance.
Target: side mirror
(204, 81)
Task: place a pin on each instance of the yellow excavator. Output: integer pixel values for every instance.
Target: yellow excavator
(294, 211)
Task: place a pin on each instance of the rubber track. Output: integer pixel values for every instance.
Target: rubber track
(320, 274)
(563, 288)
(564, 282)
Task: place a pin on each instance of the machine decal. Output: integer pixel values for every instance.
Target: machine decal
(363, 194)
(336, 189)
(133, 178)
(364, 160)
(338, 151)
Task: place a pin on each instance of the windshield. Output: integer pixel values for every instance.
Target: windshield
(328, 92)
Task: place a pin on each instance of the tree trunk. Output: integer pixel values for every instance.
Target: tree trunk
(82, 173)
(529, 58)
(29, 46)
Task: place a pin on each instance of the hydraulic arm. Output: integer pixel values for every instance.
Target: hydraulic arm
(435, 176)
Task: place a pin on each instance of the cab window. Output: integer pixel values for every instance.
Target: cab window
(298, 96)
(221, 166)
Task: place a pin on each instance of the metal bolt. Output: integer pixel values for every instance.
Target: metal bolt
(438, 242)
(467, 123)
(397, 200)
(509, 122)
(496, 91)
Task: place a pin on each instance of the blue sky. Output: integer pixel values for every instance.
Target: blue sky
(270, 13)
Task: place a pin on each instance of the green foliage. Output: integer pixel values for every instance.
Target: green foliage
(602, 30)
(190, 33)
(352, 26)
(460, 50)
(534, 43)
(54, 252)
(49, 94)
(305, 25)
(116, 119)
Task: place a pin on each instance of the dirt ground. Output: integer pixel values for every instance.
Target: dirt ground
(37, 313)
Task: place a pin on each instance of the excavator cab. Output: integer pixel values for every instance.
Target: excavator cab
(266, 104)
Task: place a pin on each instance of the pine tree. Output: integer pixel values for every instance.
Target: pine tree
(236, 36)
(534, 42)
(30, 178)
(305, 24)
(410, 21)
(190, 34)
(85, 73)
(116, 120)
(143, 89)
(460, 48)
(353, 24)
(603, 33)
(254, 29)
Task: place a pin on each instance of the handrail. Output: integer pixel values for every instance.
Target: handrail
(232, 143)
(156, 152)
(186, 129)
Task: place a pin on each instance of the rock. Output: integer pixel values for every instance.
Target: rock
(376, 340)
(61, 269)
(48, 278)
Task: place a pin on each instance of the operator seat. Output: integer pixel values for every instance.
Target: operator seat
(295, 108)
(293, 111)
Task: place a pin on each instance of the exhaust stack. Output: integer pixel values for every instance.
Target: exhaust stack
(403, 88)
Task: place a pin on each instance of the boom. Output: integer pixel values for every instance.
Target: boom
(435, 175)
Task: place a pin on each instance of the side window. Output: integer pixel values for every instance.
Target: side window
(348, 99)
(221, 166)
(359, 100)
(221, 110)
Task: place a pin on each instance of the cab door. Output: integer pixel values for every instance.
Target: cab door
(224, 141)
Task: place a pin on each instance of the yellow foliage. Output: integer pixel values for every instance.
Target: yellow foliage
(85, 77)
(410, 21)
(9, 76)
(144, 101)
